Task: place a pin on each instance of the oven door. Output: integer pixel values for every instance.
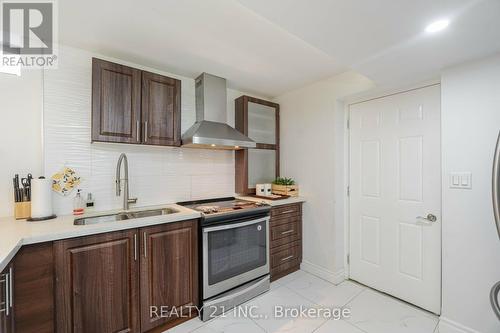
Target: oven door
(234, 254)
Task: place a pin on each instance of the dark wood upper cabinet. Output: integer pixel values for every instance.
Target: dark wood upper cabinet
(116, 102)
(161, 104)
(169, 272)
(259, 120)
(97, 283)
(134, 106)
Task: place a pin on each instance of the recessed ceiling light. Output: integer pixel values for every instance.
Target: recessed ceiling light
(437, 26)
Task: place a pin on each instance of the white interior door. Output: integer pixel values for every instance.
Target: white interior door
(395, 181)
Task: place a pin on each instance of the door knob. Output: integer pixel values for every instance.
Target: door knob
(430, 218)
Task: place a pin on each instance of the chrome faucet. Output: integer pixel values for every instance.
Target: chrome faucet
(126, 200)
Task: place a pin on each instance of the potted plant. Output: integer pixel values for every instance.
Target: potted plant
(285, 186)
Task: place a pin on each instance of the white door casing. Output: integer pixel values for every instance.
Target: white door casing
(395, 177)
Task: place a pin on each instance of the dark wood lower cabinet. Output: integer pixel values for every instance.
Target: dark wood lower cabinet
(127, 281)
(169, 273)
(97, 283)
(33, 285)
(285, 240)
(138, 280)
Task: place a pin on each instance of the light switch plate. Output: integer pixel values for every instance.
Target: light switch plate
(461, 180)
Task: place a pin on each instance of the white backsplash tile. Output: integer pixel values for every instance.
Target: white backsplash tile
(157, 174)
(212, 185)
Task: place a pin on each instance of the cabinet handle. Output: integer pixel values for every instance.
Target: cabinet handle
(288, 211)
(135, 246)
(145, 241)
(7, 295)
(146, 131)
(287, 232)
(6, 302)
(138, 130)
(287, 258)
(11, 298)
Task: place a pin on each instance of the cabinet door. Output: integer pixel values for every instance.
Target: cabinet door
(116, 102)
(169, 273)
(97, 283)
(33, 278)
(161, 110)
(259, 120)
(262, 126)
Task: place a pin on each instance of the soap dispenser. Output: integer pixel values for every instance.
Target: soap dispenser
(78, 203)
(90, 203)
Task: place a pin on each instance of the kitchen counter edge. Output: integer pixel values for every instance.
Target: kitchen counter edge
(14, 234)
(275, 203)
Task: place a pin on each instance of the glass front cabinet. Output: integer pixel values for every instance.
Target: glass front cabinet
(259, 120)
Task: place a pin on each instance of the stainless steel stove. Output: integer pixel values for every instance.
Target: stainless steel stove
(235, 252)
(221, 210)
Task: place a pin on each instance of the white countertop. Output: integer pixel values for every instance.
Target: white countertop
(14, 234)
(274, 203)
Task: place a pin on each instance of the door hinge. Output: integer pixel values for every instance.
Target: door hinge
(348, 259)
(348, 190)
(348, 123)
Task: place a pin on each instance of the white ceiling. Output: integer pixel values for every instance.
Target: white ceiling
(189, 37)
(271, 46)
(385, 39)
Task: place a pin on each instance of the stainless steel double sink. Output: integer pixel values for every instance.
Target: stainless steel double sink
(123, 216)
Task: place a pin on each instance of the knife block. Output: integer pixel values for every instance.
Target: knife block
(22, 210)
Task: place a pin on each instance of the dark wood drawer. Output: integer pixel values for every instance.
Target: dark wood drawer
(284, 219)
(285, 233)
(287, 210)
(285, 239)
(285, 259)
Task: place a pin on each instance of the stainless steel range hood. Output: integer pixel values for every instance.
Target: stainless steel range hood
(210, 130)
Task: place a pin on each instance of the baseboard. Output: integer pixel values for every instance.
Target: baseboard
(333, 277)
(449, 326)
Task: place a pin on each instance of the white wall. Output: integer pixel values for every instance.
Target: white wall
(157, 174)
(312, 152)
(20, 131)
(471, 247)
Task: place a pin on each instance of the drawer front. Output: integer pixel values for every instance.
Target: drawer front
(284, 219)
(285, 233)
(290, 256)
(288, 210)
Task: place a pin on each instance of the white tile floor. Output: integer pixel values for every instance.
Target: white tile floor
(371, 311)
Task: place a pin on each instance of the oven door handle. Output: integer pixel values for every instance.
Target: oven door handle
(234, 295)
(234, 226)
